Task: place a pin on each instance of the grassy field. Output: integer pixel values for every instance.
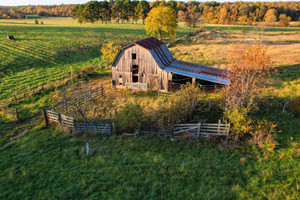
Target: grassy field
(43, 163)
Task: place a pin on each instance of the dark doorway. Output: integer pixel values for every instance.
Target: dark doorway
(135, 73)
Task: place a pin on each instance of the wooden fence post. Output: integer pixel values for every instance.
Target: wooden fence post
(16, 100)
(219, 126)
(44, 112)
(59, 119)
(17, 114)
(101, 89)
(198, 130)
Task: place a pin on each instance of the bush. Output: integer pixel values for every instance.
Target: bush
(295, 105)
(130, 117)
(90, 70)
(87, 71)
(238, 116)
(36, 21)
(264, 135)
(42, 23)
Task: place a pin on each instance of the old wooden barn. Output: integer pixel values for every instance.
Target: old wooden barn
(149, 63)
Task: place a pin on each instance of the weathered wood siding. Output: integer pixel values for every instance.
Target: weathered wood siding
(148, 70)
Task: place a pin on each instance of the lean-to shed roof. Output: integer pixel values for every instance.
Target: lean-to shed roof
(167, 62)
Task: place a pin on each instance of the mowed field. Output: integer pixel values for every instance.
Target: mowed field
(51, 164)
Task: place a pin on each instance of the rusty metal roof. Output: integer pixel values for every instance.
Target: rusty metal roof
(167, 62)
(149, 43)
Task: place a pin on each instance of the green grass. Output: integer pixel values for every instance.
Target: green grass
(47, 164)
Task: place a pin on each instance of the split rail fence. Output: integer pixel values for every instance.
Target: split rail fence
(70, 123)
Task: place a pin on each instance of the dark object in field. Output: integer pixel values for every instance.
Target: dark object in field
(10, 37)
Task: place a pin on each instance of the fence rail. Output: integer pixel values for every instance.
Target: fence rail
(69, 122)
(196, 130)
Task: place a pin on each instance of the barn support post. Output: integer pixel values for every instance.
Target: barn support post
(193, 81)
(44, 112)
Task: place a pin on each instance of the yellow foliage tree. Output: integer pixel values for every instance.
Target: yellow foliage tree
(109, 52)
(271, 16)
(161, 20)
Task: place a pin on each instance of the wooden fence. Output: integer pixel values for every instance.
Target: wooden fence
(69, 122)
(201, 129)
(139, 86)
(195, 130)
(79, 99)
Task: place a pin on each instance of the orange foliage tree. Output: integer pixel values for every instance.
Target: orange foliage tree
(250, 72)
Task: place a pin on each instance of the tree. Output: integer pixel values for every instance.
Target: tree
(284, 20)
(142, 10)
(271, 16)
(161, 20)
(109, 52)
(91, 12)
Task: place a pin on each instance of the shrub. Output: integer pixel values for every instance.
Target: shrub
(238, 116)
(131, 117)
(36, 21)
(90, 70)
(42, 23)
(264, 135)
(295, 105)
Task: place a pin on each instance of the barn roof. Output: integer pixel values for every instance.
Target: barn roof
(167, 62)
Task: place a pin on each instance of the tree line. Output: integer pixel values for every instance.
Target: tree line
(20, 12)
(191, 12)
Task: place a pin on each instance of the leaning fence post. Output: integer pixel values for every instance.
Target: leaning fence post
(59, 119)
(17, 114)
(16, 100)
(87, 148)
(44, 112)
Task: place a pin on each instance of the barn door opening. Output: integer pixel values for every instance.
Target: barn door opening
(135, 73)
(154, 83)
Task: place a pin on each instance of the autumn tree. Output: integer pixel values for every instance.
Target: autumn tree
(284, 20)
(271, 16)
(109, 52)
(249, 66)
(160, 21)
(142, 10)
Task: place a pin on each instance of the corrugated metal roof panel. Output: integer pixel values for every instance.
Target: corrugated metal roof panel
(149, 43)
